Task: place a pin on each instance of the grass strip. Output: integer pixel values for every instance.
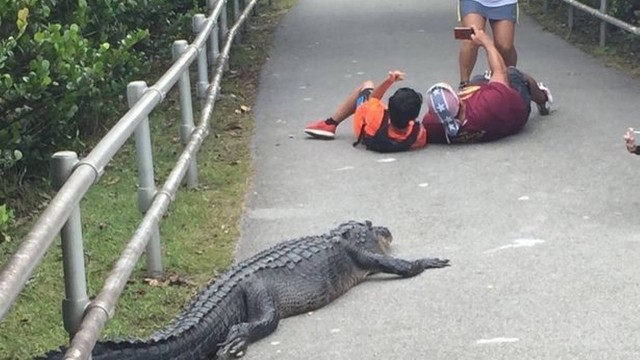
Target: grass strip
(198, 234)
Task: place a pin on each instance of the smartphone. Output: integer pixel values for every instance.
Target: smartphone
(462, 33)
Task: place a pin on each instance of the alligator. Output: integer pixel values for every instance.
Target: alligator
(246, 303)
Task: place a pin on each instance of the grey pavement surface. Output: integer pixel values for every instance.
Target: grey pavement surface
(541, 228)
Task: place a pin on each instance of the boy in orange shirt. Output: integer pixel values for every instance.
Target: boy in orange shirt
(379, 127)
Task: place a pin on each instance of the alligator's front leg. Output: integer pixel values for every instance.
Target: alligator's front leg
(263, 320)
(388, 264)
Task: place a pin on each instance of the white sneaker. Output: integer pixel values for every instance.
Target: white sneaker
(545, 109)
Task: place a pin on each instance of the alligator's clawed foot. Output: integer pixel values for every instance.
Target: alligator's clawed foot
(230, 351)
(236, 344)
(432, 263)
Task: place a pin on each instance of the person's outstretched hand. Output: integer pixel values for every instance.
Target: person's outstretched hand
(396, 75)
(630, 140)
(479, 37)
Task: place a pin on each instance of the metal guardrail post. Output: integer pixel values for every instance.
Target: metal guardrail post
(101, 309)
(224, 22)
(236, 15)
(254, 11)
(75, 281)
(242, 7)
(203, 67)
(146, 180)
(570, 17)
(224, 29)
(186, 112)
(214, 39)
(15, 272)
(545, 6)
(598, 13)
(603, 24)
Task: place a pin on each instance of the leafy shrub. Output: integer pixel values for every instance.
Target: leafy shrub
(64, 67)
(625, 10)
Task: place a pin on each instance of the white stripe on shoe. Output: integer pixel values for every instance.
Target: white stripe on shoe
(322, 134)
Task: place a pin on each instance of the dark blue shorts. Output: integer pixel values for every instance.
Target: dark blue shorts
(364, 96)
(518, 83)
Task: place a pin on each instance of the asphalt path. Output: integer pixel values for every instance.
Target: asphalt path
(541, 228)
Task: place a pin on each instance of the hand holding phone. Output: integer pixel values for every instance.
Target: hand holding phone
(462, 32)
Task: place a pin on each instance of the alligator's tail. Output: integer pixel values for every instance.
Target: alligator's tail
(190, 345)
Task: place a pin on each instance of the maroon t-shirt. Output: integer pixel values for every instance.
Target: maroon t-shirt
(493, 111)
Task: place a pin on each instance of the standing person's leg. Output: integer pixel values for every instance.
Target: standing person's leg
(470, 14)
(326, 129)
(504, 32)
(503, 20)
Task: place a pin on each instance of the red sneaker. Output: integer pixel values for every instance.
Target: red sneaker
(321, 129)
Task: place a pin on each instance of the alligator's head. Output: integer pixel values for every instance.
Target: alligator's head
(363, 234)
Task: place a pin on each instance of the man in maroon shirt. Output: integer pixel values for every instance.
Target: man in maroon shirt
(484, 110)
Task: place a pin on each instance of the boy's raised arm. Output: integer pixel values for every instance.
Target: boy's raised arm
(392, 77)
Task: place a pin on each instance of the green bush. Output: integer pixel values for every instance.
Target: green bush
(625, 10)
(64, 67)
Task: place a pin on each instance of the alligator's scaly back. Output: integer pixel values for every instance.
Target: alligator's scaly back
(246, 303)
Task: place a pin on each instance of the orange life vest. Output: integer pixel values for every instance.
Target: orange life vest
(373, 129)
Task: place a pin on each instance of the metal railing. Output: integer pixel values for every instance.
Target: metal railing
(84, 320)
(600, 13)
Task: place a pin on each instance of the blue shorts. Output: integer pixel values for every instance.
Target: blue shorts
(505, 12)
(518, 83)
(364, 96)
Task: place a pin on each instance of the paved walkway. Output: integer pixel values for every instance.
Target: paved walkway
(541, 228)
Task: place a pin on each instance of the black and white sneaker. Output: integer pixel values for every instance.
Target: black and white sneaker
(545, 109)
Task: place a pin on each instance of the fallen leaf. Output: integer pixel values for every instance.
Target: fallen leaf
(153, 282)
(141, 292)
(45, 195)
(235, 125)
(20, 221)
(175, 280)
(112, 180)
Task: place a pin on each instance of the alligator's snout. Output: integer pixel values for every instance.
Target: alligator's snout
(383, 236)
(383, 233)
